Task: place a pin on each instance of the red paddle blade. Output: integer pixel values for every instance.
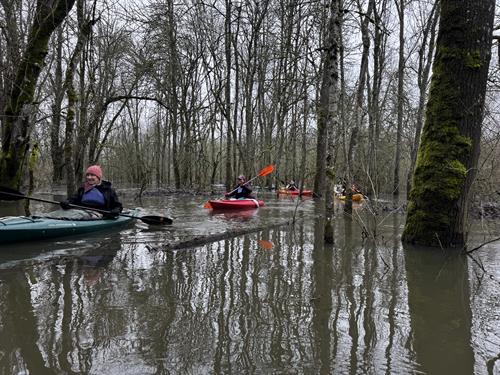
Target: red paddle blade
(266, 170)
(207, 205)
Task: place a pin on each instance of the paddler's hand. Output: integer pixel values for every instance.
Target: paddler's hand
(113, 214)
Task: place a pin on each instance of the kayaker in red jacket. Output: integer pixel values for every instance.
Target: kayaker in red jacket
(95, 193)
(242, 190)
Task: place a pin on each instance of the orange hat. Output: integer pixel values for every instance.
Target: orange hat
(95, 170)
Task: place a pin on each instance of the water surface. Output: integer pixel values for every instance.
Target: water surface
(278, 301)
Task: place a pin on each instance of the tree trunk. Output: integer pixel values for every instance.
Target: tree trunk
(327, 111)
(227, 95)
(374, 113)
(400, 5)
(424, 67)
(449, 150)
(85, 29)
(363, 72)
(17, 125)
(56, 149)
(83, 120)
(174, 71)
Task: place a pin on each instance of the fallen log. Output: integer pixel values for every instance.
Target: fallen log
(203, 240)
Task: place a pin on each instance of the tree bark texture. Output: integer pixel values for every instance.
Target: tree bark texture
(425, 54)
(449, 149)
(16, 125)
(322, 112)
(328, 108)
(359, 110)
(85, 29)
(376, 104)
(56, 148)
(227, 94)
(401, 74)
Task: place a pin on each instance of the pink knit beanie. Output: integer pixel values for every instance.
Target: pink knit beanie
(95, 170)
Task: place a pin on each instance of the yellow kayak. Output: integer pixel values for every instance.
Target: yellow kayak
(355, 197)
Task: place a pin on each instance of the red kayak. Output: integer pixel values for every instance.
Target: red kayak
(235, 204)
(295, 192)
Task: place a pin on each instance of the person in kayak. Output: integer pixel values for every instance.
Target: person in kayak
(95, 193)
(292, 186)
(242, 190)
(355, 189)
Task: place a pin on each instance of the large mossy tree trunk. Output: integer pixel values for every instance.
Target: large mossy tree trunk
(16, 124)
(449, 149)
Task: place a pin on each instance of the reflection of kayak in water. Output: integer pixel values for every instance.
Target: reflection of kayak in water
(31, 228)
(233, 214)
(355, 197)
(235, 204)
(295, 192)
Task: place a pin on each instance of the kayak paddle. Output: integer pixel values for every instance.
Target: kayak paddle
(7, 194)
(263, 172)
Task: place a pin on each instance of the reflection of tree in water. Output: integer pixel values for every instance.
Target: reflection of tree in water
(438, 293)
(353, 294)
(322, 297)
(49, 312)
(228, 307)
(18, 332)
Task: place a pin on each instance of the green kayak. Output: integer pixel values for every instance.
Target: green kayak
(24, 228)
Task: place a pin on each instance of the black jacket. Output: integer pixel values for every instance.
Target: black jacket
(110, 197)
(244, 191)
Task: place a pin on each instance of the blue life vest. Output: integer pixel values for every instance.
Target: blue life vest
(93, 197)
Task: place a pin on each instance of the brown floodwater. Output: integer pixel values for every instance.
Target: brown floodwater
(278, 301)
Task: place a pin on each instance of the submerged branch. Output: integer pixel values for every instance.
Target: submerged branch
(203, 240)
(483, 244)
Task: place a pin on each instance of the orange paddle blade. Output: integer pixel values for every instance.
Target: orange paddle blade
(266, 170)
(207, 205)
(265, 244)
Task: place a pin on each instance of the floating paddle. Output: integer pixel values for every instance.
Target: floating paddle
(7, 194)
(263, 172)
